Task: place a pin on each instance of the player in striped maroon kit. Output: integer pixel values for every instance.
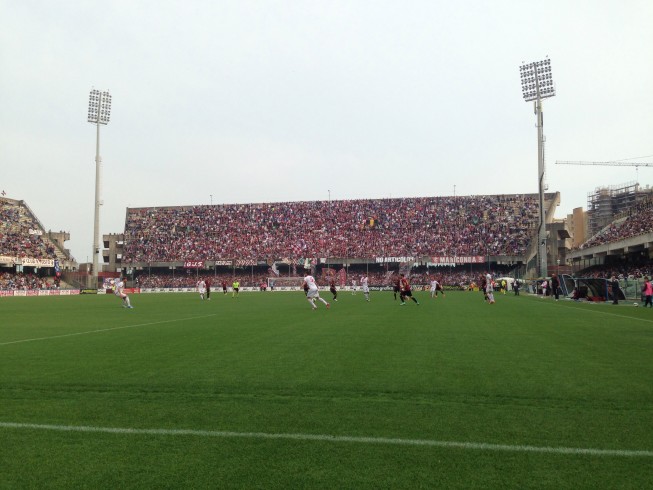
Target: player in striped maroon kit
(406, 291)
(332, 288)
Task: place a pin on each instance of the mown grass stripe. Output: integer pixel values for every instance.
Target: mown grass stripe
(87, 332)
(479, 446)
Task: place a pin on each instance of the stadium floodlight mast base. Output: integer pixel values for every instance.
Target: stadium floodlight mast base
(537, 84)
(99, 112)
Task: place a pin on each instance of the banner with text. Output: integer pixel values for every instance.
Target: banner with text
(26, 261)
(384, 260)
(453, 261)
(194, 264)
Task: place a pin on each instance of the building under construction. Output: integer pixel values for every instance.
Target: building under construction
(606, 203)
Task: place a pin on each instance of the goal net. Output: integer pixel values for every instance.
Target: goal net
(285, 282)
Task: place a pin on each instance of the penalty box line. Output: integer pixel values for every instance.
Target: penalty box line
(479, 446)
(88, 332)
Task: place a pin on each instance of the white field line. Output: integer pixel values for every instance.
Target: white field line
(596, 308)
(87, 332)
(479, 446)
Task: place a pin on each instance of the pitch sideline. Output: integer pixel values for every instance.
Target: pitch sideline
(481, 446)
(564, 304)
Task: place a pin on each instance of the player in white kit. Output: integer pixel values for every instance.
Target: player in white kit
(313, 293)
(489, 288)
(119, 290)
(434, 288)
(365, 286)
(201, 288)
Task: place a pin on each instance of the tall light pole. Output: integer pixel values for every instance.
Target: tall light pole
(99, 111)
(537, 84)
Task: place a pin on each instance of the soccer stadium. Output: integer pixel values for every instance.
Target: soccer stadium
(418, 340)
(359, 397)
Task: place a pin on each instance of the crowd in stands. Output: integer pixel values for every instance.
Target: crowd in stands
(639, 221)
(17, 232)
(14, 281)
(445, 226)
(621, 272)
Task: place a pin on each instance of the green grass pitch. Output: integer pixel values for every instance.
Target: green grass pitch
(261, 392)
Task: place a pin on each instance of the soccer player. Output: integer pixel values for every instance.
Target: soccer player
(405, 289)
(332, 288)
(201, 288)
(207, 281)
(354, 287)
(119, 290)
(434, 288)
(396, 287)
(484, 287)
(313, 293)
(236, 287)
(489, 288)
(224, 287)
(365, 286)
(439, 289)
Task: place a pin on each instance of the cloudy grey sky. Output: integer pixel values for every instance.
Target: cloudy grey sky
(264, 101)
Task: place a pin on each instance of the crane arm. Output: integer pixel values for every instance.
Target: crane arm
(606, 164)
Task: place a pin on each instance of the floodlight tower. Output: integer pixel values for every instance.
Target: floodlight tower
(99, 110)
(537, 84)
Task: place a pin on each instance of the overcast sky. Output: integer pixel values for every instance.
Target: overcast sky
(265, 101)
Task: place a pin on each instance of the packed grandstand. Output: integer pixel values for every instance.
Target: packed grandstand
(638, 221)
(429, 226)
(20, 232)
(376, 237)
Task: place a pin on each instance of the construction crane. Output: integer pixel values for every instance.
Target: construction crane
(616, 163)
(606, 164)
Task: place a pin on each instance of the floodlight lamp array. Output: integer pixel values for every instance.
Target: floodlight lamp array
(99, 107)
(536, 80)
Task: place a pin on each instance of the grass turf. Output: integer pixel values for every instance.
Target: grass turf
(524, 371)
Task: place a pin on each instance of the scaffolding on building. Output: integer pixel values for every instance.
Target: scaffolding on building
(607, 202)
